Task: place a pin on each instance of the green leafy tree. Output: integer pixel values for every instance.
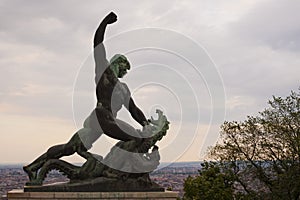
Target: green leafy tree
(263, 152)
(211, 183)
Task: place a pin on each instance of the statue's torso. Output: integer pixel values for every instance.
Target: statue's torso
(111, 93)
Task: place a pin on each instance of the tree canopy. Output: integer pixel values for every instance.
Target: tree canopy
(210, 184)
(262, 153)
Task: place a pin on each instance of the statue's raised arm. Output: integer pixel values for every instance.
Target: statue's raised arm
(99, 35)
(99, 49)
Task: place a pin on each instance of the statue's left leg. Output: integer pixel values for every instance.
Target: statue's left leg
(54, 152)
(115, 128)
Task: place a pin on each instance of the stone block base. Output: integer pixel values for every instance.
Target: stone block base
(21, 195)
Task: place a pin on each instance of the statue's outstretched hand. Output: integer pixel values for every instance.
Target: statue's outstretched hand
(111, 18)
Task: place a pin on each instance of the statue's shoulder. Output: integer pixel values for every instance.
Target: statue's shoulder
(124, 87)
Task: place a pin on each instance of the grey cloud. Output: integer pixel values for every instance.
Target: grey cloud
(43, 43)
(272, 23)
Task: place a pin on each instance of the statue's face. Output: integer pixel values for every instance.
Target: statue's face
(119, 65)
(123, 67)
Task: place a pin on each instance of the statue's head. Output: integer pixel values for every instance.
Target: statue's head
(119, 65)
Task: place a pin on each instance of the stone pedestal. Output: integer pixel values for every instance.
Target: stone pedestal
(21, 195)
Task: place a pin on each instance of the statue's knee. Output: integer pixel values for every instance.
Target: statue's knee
(60, 150)
(69, 149)
(53, 151)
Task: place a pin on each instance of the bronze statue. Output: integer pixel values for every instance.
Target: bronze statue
(133, 149)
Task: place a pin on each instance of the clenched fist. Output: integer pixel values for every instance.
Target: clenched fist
(111, 18)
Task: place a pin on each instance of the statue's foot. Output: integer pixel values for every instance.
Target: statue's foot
(35, 182)
(110, 175)
(31, 174)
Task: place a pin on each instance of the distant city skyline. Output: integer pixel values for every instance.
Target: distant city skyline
(201, 62)
(13, 177)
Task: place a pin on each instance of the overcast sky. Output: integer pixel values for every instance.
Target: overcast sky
(201, 62)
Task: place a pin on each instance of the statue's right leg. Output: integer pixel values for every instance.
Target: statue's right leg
(32, 169)
(54, 152)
